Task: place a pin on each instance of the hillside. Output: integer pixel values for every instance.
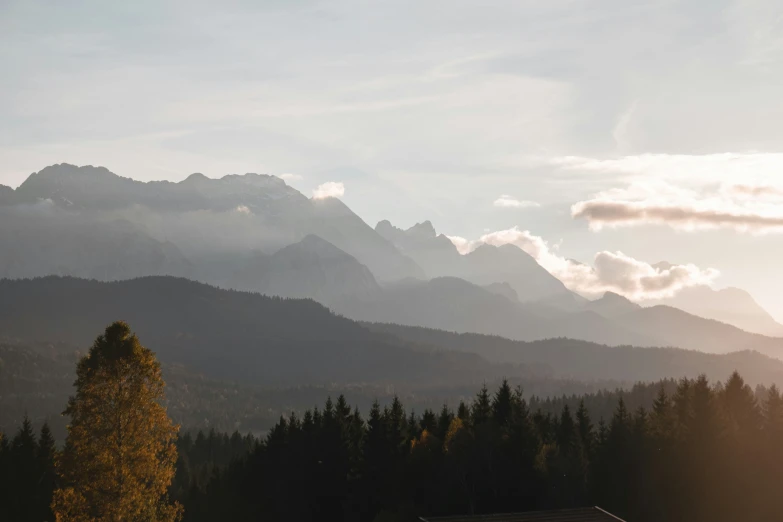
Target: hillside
(227, 334)
(453, 304)
(682, 329)
(567, 358)
(37, 378)
(311, 268)
(728, 305)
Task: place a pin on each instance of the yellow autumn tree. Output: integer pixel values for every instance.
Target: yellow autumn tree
(120, 455)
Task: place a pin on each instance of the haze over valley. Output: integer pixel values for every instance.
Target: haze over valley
(213, 257)
(391, 261)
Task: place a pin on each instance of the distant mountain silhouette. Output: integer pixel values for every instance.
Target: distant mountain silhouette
(612, 305)
(311, 268)
(504, 289)
(484, 266)
(35, 243)
(728, 305)
(97, 188)
(456, 305)
(679, 328)
(203, 216)
(435, 253)
(254, 232)
(7, 195)
(453, 304)
(510, 264)
(584, 360)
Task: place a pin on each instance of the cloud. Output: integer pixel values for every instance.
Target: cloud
(690, 170)
(757, 191)
(288, 177)
(506, 201)
(243, 209)
(744, 208)
(330, 189)
(611, 271)
(463, 245)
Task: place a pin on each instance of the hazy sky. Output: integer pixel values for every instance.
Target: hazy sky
(647, 127)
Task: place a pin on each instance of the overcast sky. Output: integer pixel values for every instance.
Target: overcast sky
(652, 128)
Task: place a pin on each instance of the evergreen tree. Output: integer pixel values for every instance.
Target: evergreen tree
(120, 453)
(502, 404)
(584, 427)
(24, 478)
(45, 471)
(481, 409)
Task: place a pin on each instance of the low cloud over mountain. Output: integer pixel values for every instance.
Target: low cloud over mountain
(611, 271)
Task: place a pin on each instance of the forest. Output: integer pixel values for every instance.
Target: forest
(700, 451)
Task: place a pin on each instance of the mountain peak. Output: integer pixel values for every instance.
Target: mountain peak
(195, 178)
(60, 170)
(422, 230)
(386, 229)
(313, 244)
(612, 296)
(6, 195)
(612, 305)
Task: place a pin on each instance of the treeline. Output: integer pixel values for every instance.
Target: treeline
(203, 457)
(701, 452)
(698, 452)
(27, 474)
(37, 378)
(28, 478)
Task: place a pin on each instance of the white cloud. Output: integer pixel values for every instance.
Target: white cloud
(685, 192)
(611, 271)
(289, 177)
(463, 245)
(744, 208)
(506, 201)
(330, 189)
(243, 209)
(691, 170)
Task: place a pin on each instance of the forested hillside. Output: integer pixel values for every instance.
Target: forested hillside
(499, 454)
(229, 335)
(569, 358)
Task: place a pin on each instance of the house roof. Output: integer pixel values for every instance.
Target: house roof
(591, 514)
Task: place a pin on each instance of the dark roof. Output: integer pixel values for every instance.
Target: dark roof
(591, 514)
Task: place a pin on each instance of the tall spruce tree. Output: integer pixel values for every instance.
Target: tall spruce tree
(45, 474)
(24, 449)
(120, 452)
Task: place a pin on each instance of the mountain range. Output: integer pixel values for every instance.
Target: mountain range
(270, 342)
(255, 233)
(204, 217)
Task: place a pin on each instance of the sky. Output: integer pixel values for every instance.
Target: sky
(604, 130)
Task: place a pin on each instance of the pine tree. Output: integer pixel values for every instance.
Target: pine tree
(120, 452)
(463, 413)
(739, 405)
(662, 417)
(444, 421)
(45, 472)
(429, 421)
(481, 409)
(5, 478)
(24, 476)
(773, 414)
(501, 404)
